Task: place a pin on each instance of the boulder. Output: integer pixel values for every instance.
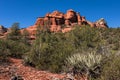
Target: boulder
(101, 23)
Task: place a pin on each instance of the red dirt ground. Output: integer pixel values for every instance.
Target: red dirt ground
(15, 67)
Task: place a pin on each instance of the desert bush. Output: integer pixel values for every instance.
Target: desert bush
(17, 44)
(49, 52)
(111, 41)
(4, 49)
(111, 68)
(88, 64)
(10, 48)
(14, 32)
(84, 38)
(25, 37)
(17, 49)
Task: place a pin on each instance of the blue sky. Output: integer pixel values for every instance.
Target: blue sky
(26, 11)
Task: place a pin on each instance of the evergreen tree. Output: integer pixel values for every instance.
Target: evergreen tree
(14, 33)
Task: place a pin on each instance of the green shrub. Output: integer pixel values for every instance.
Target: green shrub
(17, 49)
(49, 52)
(4, 49)
(85, 38)
(111, 68)
(10, 48)
(14, 32)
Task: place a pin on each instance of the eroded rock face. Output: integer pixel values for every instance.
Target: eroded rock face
(56, 14)
(71, 15)
(60, 22)
(101, 23)
(79, 19)
(40, 21)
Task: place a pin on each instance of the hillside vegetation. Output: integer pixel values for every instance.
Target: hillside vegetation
(92, 52)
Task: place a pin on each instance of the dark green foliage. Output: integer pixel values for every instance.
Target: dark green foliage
(25, 37)
(14, 33)
(4, 50)
(110, 36)
(15, 45)
(12, 48)
(85, 37)
(111, 68)
(50, 51)
(17, 49)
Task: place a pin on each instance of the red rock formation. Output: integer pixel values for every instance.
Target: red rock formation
(40, 21)
(56, 14)
(71, 15)
(79, 19)
(91, 24)
(101, 23)
(67, 22)
(54, 22)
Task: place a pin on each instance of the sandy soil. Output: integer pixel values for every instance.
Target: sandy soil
(15, 67)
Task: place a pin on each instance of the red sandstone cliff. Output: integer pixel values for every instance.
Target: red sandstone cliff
(55, 20)
(60, 22)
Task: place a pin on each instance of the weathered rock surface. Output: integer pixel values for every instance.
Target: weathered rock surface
(55, 21)
(101, 23)
(59, 22)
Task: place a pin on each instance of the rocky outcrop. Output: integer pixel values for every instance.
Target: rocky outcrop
(59, 22)
(101, 23)
(55, 21)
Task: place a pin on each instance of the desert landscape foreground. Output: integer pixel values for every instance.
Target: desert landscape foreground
(15, 69)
